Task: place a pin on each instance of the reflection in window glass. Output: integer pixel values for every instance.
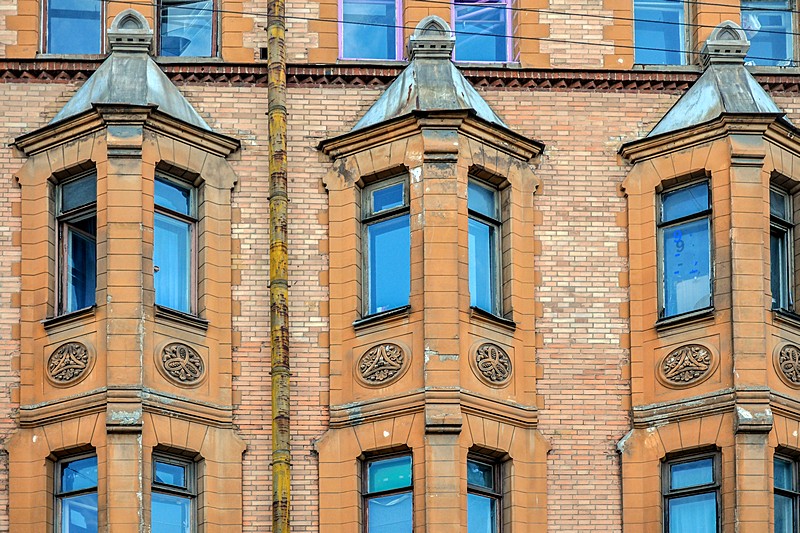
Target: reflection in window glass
(768, 26)
(780, 248)
(186, 28)
(481, 27)
(659, 33)
(77, 236)
(172, 496)
(787, 497)
(691, 496)
(173, 253)
(388, 496)
(76, 495)
(484, 250)
(685, 246)
(74, 27)
(369, 29)
(483, 497)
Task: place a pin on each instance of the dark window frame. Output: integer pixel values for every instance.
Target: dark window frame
(714, 487)
(215, 24)
(497, 262)
(189, 492)
(794, 493)
(45, 21)
(784, 229)
(59, 494)
(65, 223)
(366, 495)
(496, 494)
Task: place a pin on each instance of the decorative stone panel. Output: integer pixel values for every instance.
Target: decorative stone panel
(491, 364)
(382, 364)
(686, 366)
(181, 364)
(786, 359)
(69, 364)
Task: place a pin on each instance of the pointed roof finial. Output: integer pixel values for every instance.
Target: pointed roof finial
(432, 38)
(130, 33)
(727, 44)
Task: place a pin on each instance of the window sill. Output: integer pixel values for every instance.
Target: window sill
(381, 317)
(394, 63)
(185, 319)
(482, 314)
(467, 64)
(192, 60)
(786, 317)
(71, 57)
(700, 315)
(68, 318)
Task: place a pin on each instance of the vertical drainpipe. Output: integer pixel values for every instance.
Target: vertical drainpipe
(278, 266)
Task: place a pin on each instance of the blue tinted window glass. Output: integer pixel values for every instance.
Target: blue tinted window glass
(172, 263)
(79, 513)
(369, 29)
(695, 514)
(481, 514)
(768, 26)
(186, 28)
(170, 474)
(687, 267)
(170, 513)
(173, 196)
(79, 474)
(73, 27)
(79, 192)
(691, 474)
(778, 205)
(388, 198)
(389, 243)
(779, 269)
(390, 514)
(480, 474)
(81, 264)
(480, 27)
(658, 32)
(482, 200)
(784, 514)
(482, 277)
(389, 474)
(684, 202)
(784, 475)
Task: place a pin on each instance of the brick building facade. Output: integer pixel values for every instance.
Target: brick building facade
(543, 360)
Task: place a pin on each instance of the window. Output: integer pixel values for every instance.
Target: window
(77, 238)
(685, 247)
(787, 495)
(187, 28)
(691, 489)
(370, 29)
(483, 496)
(481, 28)
(484, 247)
(76, 495)
(388, 242)
(73, 27)
(172, 498)
(388, 498)
(780, 247)
(173, 250)
(768, 25)
(659, 32)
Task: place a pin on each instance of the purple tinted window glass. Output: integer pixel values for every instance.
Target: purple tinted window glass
(481, 28)
(369, 29)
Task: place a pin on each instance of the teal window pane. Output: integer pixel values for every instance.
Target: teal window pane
(482, 268)
(684, 202)
(389, 245)
(686, 267)
(693, 514)
(170, 474)
(79, 474)
(389, 474)
(74, 27)
(172, 263)
(79, 192)
(779, 268)
(388, 198)
(482, 200)
(691, 474)
(170, 513)
(481, 514)
(480, 475)
(81, 264)
(784, 474)
(173, 197)
(779, 205)
(79, 513)
(390, 514)
(784, 514)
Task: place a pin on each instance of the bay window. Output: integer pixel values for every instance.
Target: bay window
(388, 495)
(484, 247)
(174, 246)
(76, 495)
(77, 243)
(387, 240)
(691, 493)
(684, 221)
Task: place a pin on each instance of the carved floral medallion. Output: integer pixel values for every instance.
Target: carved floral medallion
(382, 364)
(182, 364)
(686, 366)
(787, 364)
(491, 364)
(69, 364)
